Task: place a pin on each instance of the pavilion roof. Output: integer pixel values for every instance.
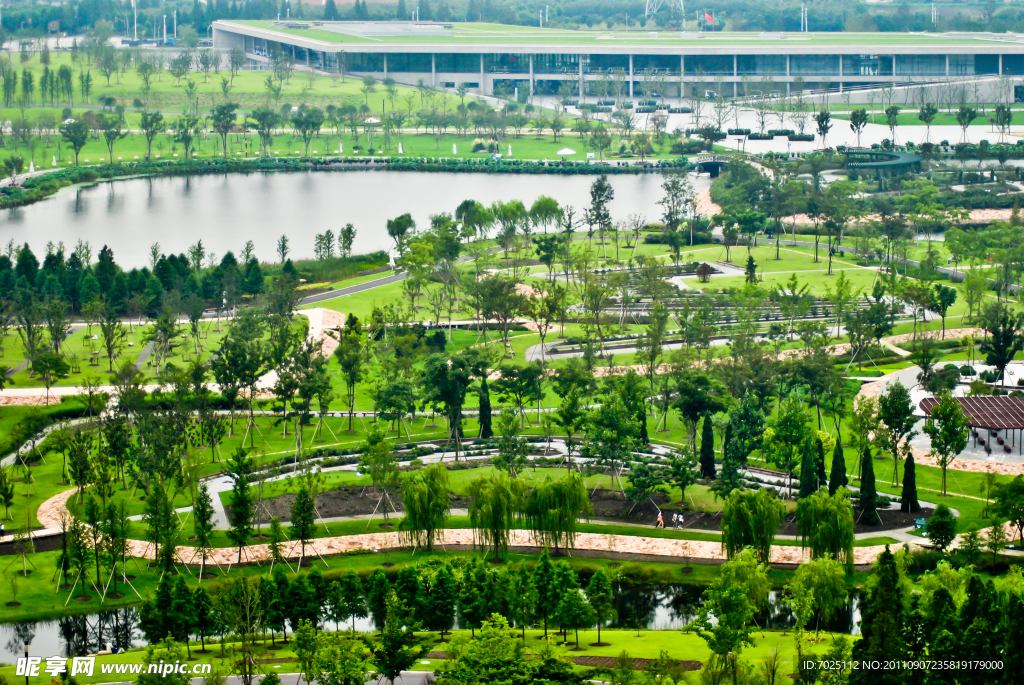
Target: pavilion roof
(997, 412)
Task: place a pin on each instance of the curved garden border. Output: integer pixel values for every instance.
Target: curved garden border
(49, 515)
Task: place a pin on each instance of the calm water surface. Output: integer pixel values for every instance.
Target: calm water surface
(226, 211)
(651, 608)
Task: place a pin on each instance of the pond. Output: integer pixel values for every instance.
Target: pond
(224, 211)
(652, 608)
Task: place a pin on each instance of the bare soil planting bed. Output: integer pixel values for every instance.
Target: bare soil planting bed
(355, 500)
(892, 519)
(346, 500)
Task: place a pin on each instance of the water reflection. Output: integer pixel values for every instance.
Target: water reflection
(74, 635)
(225, 211)
(675, 606)
(638, 607)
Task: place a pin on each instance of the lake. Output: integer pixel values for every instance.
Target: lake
(224, 211)
(652, 608)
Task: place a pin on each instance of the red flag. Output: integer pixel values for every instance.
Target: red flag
(708, 18)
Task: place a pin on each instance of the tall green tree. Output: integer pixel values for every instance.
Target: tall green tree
(883, 615)
(818, 590)
(908, 498)
(601, 598)
(1005, 337)
(377, 598)
(574, 613)
(441, 601)
(351, 357)
(707, 449)
(837, 477)
(352, 599)
(1009, 503)
(947, 426)
(896, 414)
(427, 500)
(726, 620)
(941, 527)
(808, 468)
(826, 525)
(868, 496)
(303, 519)
(553, 510)
(547, 590)
(750, 519)
(785, 435)
(240, 515)
(495, 504)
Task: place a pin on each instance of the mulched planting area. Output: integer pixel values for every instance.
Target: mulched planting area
(639, 664)
(355, 500)
(49, 543)
(346, 500)
(892, 519)
(612, 505)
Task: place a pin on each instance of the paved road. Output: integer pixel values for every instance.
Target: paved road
(352, 289)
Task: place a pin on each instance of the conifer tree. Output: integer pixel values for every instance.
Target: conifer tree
(522, 605)
(352, 597)
(282, 589)
(868, 495)
(202, 514)
(838, 479)
(402, 12)
(377, 598)
(574, 613)
(601, 599)
(441, 601)
(566, 583)
(318, 595)
(1013, 651)
(203, 619)
(707, 450)
(276, 544)
(808, 469)
(182, 613)
(330, 11)
(730, 474)
(819, 461)
(882, 618)
(484, 393)
(476, 601)
(908, 498)
(303, 519)
(544, 581)
(241, 512)
(408, 589)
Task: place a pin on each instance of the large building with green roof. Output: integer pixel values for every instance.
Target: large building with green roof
(549, 61)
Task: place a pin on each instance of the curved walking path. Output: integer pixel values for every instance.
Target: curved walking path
(50, 511)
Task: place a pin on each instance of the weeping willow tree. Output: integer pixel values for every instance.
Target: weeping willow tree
(495, 504)
(554, 509)
(826, 525)
(427, 501)
(751, 518)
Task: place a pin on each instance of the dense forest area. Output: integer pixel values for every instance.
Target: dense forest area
(75, 17)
